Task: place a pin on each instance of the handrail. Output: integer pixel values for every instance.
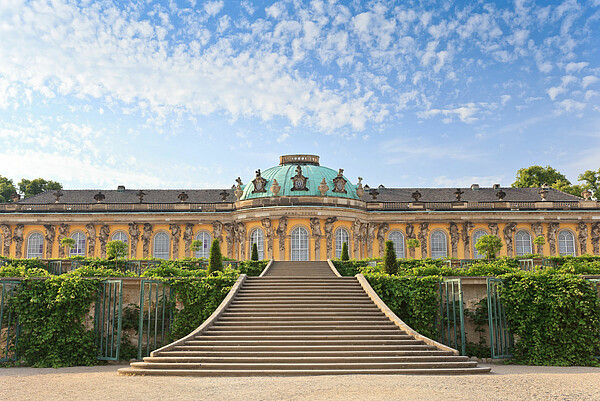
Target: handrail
(211, 319)
(397, 321)
(267, 267)
(333, 269)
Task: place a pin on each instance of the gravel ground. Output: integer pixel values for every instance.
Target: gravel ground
(103, 383)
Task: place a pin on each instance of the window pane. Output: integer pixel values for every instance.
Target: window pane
(438, 245)
(120, 236)
(161, 246)
(204, 251)
(476, 235)
(566, 243)
(398, 239)
(341, 236)
(79, 247)
(35, 246)
(299, 244)
(257, 237)
(523, 243)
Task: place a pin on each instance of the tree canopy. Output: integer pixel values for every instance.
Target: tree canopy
(7, 188)
(37, 186)
(536, 176)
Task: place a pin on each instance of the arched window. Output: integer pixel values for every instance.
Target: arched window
(341, 236)
(566, 243)
(35, 246)
(398, 239)
(79, 247)
(439, 245)
(120, 236)
(257, 237)
(522, 243)
(161, 246)
(204, 251)
(476, 235)
(299, 244)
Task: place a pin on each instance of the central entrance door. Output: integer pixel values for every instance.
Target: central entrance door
(299, 244)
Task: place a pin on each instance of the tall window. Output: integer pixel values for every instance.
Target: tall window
(522, 243)
(439, 245)
(257, 237)
(204, 251)
(397, 239)
(476, 235)
(299, 244)
(79, 247)
(161, 246)
(341, 236)
(566, 243)
(120, 236)
(35, 246)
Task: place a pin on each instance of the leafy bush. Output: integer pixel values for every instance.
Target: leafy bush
(349, 268)
(171, 270)
(391, 267)
(254, 252)
(200, 297)
(489, 245)
(215, 263)
(414, 299)
(94, 271)
(555, 316)
(18, 269)
(52, 313)
(252, 267)
(345, 255)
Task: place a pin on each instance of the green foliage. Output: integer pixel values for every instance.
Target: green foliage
(21, 269)
(412, 243)
(254, 252)
(67, 243)
(536, 176)
(592, 182)
(390, 264)
(215, 263)
(98, 271)
(345, 256)
(478, 317)
(349, 268)
(116, 249)
(252, 267)
(52, 314)
(37, 186)
(196, 245)
(7, 189)
(489, 245)
(555, 317)
(200, 297)
(539, 240)
(413, 299)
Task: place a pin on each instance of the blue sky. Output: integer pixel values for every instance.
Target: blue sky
(192, 94)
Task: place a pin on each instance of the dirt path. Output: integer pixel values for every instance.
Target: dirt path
(103, 383)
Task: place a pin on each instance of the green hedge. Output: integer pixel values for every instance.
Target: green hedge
(555, 316)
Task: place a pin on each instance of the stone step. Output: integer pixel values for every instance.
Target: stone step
(339, 353)
(317, 315)
(311, 347)
(290, 326)
(315, 372)
(354, 340)
(304, 321)
(305, 334)
(306, 359)
(305, 366)
(301, 301)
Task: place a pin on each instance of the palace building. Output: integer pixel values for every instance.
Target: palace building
(300, 210)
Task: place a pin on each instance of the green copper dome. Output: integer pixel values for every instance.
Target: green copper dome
(288, 178)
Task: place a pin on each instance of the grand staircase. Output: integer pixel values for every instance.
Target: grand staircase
(301, 319)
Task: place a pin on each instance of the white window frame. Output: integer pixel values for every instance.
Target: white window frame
(341, 235)
(161, 245)
(566, 245)
(206, 239)
(523, 243)
(35, 245)
(257, 236)
(478, 233)
(438, 244)
(80, 243)
(397, 237)
(120, 236)
(299, 247)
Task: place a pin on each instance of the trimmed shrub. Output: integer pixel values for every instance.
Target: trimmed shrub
(215, 263)
(390, 265)
(345, 256)
(254, 252)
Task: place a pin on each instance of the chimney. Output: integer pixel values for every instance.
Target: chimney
(496, 186)
(474, 187)
(121, 188)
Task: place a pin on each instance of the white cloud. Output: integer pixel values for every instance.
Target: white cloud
(465, 113)
(467, 181)
(589, 80)
(570, 105)
(555, 91)
(575, 67)
(212, 8)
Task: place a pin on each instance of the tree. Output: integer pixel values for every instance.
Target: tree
(540, 240)
(592, 182)
(37, 186)
(215, 263)
(413, 243)
(68, 243)
(345, 255)
(489, 245)
(254, 252)
(116, 250)
(7, 189)
(196, 245)
(536, 176)
(391, 264)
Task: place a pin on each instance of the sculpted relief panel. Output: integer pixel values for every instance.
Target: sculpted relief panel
(6, 238)
(134, 235)
(329, 235)
(315, 227)
(281, 231)
(383, 229)
(270, 237)
(423, 232)
(146, 239)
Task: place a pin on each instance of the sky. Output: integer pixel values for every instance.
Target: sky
(192, 94)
